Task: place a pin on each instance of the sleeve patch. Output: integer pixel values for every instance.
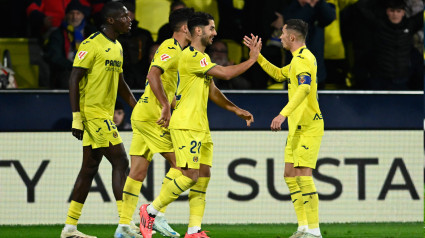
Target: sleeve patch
(203, 62)
(304, 79)
(82, 54)
(165, 57)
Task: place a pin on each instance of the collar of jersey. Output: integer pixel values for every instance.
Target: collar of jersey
(113, 41)
(298, 50)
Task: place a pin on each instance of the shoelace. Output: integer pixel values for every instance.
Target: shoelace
(150, 222)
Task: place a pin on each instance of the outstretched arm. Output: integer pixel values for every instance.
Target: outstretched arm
(268, 67)
(154, 78)
(229, 72)
(125, 92)
(74, 96)
(218, 98)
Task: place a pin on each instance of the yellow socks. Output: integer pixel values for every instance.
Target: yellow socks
(130, 197)
(311, 200)
(172, 174)
(172, 191)
(74, 213)
(197, 201)
(297, 201)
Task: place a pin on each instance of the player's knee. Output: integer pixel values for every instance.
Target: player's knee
(138, 175)
(90, 171)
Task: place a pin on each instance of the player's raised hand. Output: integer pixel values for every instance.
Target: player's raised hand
(254, 44)
(247, 116)
(164, 120)
(277, 122)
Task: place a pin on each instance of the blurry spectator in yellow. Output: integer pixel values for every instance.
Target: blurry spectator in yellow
(165, 32)
(334, 54)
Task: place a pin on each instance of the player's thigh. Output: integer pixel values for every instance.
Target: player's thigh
(156, 137)
(207, 147)
(98, 133)
(91, 157)
(116, 155)
(138, 146)
(291, 144)
(307, 151)
(187, 146)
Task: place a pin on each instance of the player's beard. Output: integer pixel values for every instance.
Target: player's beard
(205, 40)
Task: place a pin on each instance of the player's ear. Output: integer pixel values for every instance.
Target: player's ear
(184, 28)
(110, 20)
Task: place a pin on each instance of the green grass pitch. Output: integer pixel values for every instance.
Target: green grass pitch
(345, 230)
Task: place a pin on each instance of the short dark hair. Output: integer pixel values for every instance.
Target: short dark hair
(297, 25)
(396, 4)
(179, 17)
(110, 9)
(199, 19)
(176, 4)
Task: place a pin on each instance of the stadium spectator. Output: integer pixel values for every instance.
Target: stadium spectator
(119, 117)
(218, 52)
(305, 123)
(334, 51)
(189, 127)
(165, 32)
(386, 59)
(264, 24)
(46, 15)
(317, 14)
(64, 42)
(135, 45)
(94, 83)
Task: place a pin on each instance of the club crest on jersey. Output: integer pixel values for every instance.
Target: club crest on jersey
(82, 54)
(204, 62)
(195, 159)
(115, 134)
(165, 57)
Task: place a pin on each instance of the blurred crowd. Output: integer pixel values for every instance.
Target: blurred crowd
(358, 44)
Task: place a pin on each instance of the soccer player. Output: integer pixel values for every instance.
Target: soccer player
(95, 79)
(305, 122)
(150, 119)
(189, 126)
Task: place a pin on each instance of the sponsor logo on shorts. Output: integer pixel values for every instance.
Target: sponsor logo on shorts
(195, 159)
(305, 147)
(115, 134)
(98, 129)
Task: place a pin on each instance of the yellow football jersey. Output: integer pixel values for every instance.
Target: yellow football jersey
(302, 110)
(192, 91)
(307, 116)
(166, 58)
(102, 57)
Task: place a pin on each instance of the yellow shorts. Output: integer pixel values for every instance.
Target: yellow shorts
(149, 138)
(302, 151)
(99, 132)
(192, 148)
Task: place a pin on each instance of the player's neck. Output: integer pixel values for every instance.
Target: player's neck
(197, 44)
(181, 38)
(110, 33)
(296, 45)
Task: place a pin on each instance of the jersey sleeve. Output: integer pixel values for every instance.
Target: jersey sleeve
(164, 57)
(303, 70)
(200, 64)
(274, 72)
(85, 55)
